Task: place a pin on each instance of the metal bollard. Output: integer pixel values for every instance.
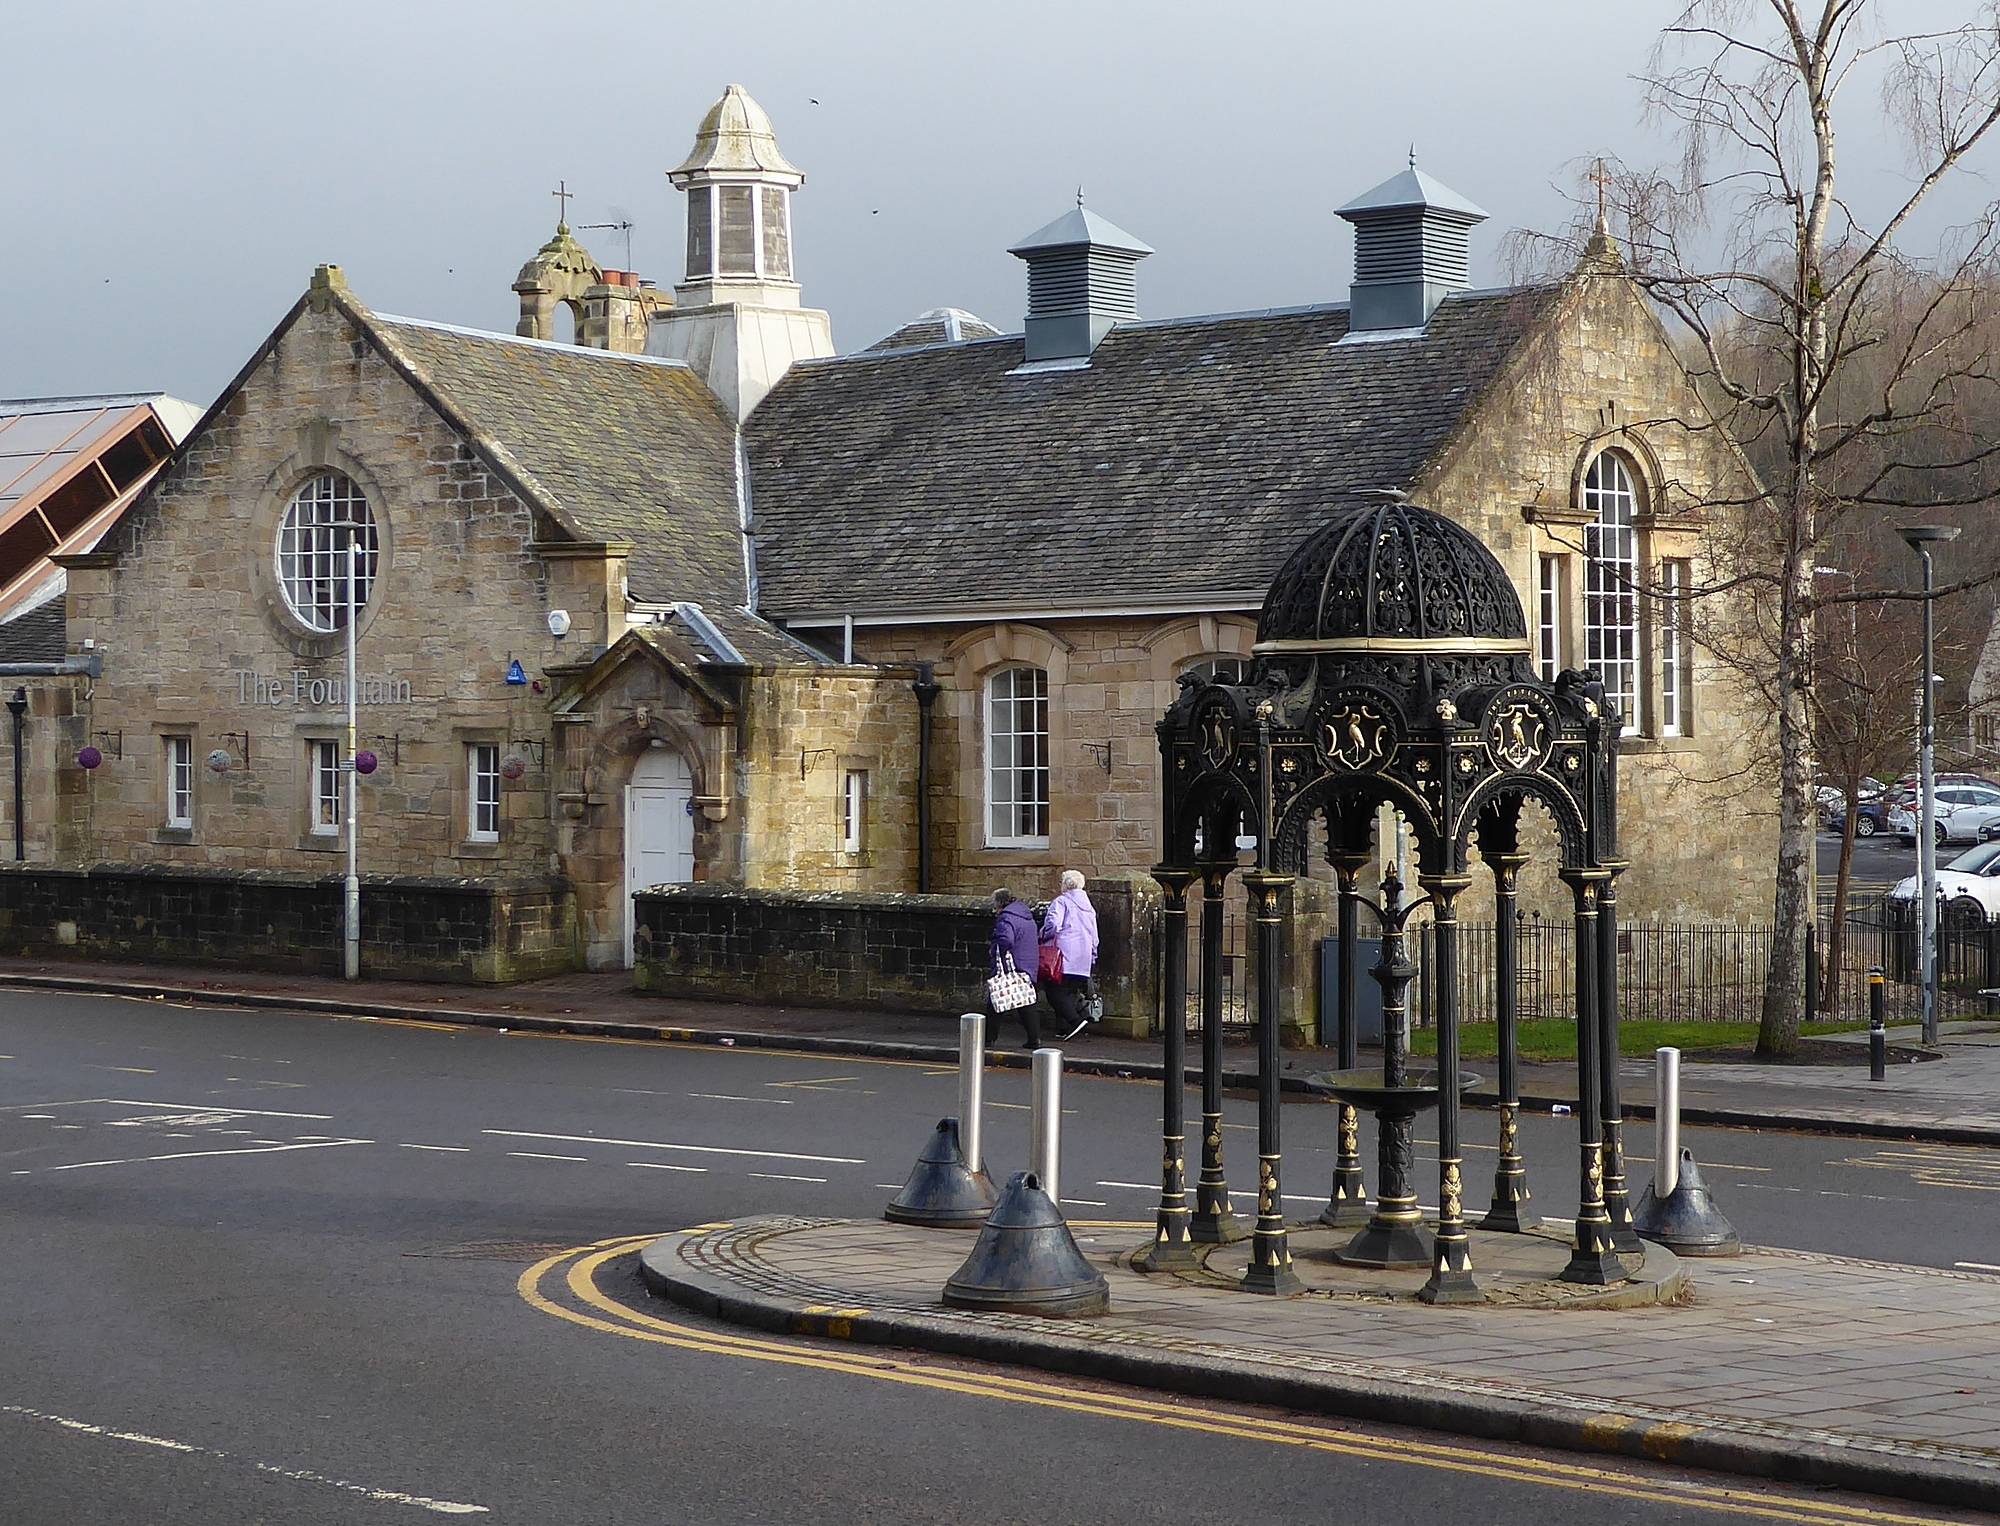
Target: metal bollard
(971, 1086)
(1666, 1122)
(1045, 1129)
(1878, 1030)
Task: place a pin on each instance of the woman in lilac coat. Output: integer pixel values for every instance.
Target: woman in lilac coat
(1071, 925)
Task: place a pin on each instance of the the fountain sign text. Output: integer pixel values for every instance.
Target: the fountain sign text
(302, 687)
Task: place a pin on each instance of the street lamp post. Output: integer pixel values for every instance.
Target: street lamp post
(1920, 539)
(351, 932)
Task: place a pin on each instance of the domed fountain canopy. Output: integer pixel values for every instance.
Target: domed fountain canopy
(1385, 575)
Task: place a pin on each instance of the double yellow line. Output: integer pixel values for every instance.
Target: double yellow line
(576, 1270)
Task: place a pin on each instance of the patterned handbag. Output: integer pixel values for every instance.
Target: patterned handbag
(1010, 989)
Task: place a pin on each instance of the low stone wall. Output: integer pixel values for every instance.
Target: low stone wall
(411, 928)
(902, 952)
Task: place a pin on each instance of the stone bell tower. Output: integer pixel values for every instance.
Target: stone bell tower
(737, 319)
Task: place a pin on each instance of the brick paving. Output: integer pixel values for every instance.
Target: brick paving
(1788, 1347)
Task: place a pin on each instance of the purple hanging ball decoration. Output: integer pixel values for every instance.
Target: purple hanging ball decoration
(365, 762)
(218, 761)
(513, 766)
(89, 758)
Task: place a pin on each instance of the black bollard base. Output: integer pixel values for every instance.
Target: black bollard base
(941, 1193)
(1686, 1220)
(1026, 1260)
(1389, 1244)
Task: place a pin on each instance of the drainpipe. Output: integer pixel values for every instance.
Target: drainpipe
(926, 688)
(18, 708)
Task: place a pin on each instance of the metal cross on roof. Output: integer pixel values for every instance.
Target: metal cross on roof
(564, 196)
(1601, 177)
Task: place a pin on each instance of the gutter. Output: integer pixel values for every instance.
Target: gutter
(90, 665)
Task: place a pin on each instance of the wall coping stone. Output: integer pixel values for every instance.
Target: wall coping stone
(205, 875)
(860, 900)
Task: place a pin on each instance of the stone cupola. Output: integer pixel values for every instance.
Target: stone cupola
(1411, 250)
(738, 319)
(559, 275)
(1081, 283)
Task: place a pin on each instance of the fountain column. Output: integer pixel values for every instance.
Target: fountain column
(1171, 1247)
(1451, 1278)
(1347, 1202)
(1594, 1257)
(1617, 1205)
(1510, 1175)
(1215, 1223)
(1270, 1247)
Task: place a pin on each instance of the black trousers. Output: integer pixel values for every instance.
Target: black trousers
(1066, 996)
(1031, 1023)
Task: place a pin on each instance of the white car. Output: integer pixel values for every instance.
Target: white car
(1962, 809)
(1971, 877)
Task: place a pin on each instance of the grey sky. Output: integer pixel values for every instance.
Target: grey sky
(174, 172)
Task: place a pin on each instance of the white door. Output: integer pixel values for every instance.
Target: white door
(659, 827)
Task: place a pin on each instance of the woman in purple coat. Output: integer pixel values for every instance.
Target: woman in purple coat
(1071, 925)
(1014, 933)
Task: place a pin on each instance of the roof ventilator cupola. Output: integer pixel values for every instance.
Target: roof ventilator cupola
(1080, 283)
(1411, 241)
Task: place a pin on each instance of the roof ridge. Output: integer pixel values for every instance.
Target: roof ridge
(539, 344)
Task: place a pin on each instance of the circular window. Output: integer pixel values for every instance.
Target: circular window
(325, 515)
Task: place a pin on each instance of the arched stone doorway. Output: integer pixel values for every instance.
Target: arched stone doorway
(659, 827)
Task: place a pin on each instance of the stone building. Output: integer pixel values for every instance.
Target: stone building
(671, 602)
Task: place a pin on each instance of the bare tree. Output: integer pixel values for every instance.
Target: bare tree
(1855, 371)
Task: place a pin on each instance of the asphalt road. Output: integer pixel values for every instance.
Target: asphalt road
(262, 1267)
(1878, 861)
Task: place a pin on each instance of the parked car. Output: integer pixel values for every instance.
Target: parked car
(1972, 880)
(1962, 809)
(1870, 818)
(1904, 790)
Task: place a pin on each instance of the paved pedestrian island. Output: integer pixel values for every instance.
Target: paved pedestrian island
(1781, 1364)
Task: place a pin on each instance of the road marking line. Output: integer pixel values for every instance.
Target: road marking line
(447, 1149)
(297, 1086)
(130, 1070)
(815, 1081)
(38, 1115)
(194, 1107)
(661, 1165)
(1563, 1474)
(1977, 1266)
(297, 1475)
(779, 1176)
(655, 1144)
(140, 1160)
(890, 1186)
(726, 1097)
(535, 1155)
(1087, 1202)
(1024, 1107)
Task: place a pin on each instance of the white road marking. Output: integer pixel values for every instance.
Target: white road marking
(778, 1176)
(130, 1070)
(1976, 1266)
(38, 1115)
(661, 1165)
(890, 1186)
(297, 1475)
(533, 1155)
(813, 1081)
(1087, 1202)
(726, 1097)
(194, 1107)
(452, 1149)
(1023, 1107)
(140, 1160)
(655, 1144)
(260, 1081)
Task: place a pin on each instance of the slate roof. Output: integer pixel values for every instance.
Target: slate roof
(941, 325)
(1183, 464)
(37, 636)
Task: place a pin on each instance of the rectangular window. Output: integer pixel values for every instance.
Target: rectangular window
(324, 761)
(1017, 759)
(180, 781)
(853, 810)
(1548, 617)
(482, 768)
(700, 231)
(736, 240)
(1674, 672)
(777, 233)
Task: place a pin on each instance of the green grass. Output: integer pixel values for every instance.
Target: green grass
(1550, 1040)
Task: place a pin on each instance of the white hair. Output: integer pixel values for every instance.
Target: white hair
(1072, 880)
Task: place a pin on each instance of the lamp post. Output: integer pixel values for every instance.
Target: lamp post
(351, 938)
(17, 706)
(1920, 539)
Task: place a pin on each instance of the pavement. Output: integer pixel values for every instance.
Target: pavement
(1954, 1099)
(1783, 1364)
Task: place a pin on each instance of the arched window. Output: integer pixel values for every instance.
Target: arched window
(1220, 670)
(1017, 758)
(1611, 583)
(312, 551)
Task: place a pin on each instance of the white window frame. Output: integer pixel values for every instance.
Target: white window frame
(482, 792)
(854, 810)
(1013, 800)
(1674, 671)
(179, 751)
(1611, 585)
(324, 797)
(309, 558)
(1208, 664)
(1548, 615)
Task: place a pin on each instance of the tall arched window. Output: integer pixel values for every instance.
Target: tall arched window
(1611, 583)
(313, 537)
(1017, 758)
